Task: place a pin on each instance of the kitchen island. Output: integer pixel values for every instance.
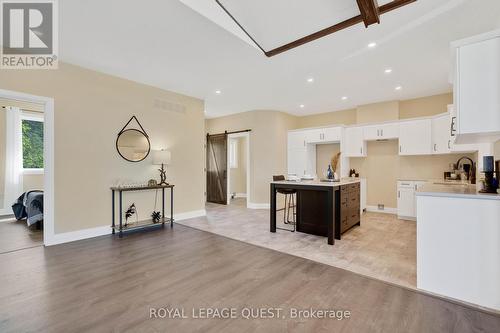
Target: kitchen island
(458, 243)
(323, 208)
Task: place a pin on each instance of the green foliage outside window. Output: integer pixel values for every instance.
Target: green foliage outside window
(32, 144)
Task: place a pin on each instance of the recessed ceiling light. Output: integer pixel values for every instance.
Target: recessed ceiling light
(302, 106)
(372, 45)
(344, 98)
(398, 88)
(310, 80)
(218, 92)
(388, 71)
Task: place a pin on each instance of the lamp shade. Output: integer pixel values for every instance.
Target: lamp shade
(161, 157)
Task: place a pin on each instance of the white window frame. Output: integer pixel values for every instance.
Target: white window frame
(31, 117)
(233, 154)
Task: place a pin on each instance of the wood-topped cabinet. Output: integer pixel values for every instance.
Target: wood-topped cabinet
(350, 206)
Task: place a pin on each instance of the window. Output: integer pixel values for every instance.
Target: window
(32, 137)
(233, 154)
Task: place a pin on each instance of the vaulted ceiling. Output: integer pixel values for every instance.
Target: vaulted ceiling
(196, 49)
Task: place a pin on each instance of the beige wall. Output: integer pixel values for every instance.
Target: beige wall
(383, 167)
(371, 113)
(345, 117)
(238, 176)
(90, 109)
(268, 142)
(324, 155)
(32, 182)
(426, 106)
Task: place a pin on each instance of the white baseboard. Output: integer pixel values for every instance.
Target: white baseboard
(72, 236)
(386, 210)
(240, 195)
(252, 205)
(189, 215)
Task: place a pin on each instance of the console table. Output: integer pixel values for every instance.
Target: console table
(145, 223)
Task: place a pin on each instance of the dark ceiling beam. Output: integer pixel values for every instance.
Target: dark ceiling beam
(369, 11)
(337, 27)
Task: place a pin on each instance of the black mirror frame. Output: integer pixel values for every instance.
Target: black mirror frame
(142, 131)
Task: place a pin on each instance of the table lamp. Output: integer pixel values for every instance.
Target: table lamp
(162, 157)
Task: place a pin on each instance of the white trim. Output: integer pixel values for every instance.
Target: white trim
(48, 155)
(32, 117)
(33, 171)
(73, 236)
(189, 215)
(240, 195)
(252, 205)
(386, 210)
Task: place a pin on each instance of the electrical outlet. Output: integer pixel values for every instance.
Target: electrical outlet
(381, 206)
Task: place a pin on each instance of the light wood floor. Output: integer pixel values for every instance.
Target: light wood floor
(108, 284)
(15, 235)
(384, 247)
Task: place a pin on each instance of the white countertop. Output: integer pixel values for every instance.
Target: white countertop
(317, 182)
(455, 191)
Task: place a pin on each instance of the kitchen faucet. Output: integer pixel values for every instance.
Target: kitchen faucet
(471, 173)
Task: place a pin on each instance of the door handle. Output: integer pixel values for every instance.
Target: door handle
(449, 142)
(399, 194)
(399, 148)
(361, 150)
(435, 147)
(381, 132)
(378, 132)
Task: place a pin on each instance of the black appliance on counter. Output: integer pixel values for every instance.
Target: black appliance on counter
(490, 181)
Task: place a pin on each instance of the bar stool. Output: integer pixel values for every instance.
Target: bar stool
(290, 196)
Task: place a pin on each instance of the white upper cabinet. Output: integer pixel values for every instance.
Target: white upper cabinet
(323, 135)
(296, 140)
(441, 133)
(381, 132)
(415, 137)
(477, 88)
(355, 143)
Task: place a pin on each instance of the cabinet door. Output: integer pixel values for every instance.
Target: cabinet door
(441, 143)
(332, 134)
(406, 202)
(296, 140)
(355, 144)
(371, 133)
(389, 131)
(477, 87)
(297, 161)
(314, 136)
(415, 137)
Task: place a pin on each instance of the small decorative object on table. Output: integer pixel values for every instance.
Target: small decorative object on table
(156, 216)
(329, 173)
(334, 163)
(162, 157)
(130, 212)
(152, 182)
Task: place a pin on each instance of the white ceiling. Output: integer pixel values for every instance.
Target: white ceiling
(167, 44)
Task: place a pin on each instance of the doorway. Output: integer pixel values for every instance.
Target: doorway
(26, 170)
(228, 167)
(238, 168)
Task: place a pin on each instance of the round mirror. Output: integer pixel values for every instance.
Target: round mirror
(133, 145)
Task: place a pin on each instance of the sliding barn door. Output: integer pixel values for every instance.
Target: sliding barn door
(217, 168)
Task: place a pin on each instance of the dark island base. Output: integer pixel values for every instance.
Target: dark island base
(325, 211)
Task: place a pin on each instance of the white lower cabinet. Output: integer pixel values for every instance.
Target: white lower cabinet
(407, 200)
